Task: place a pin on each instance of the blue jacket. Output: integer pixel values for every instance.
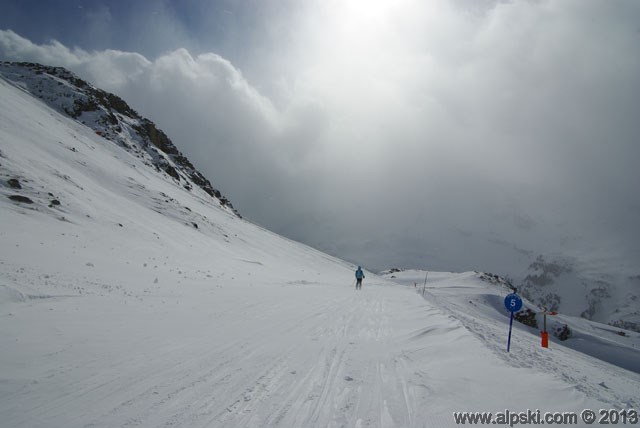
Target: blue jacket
(359, 274)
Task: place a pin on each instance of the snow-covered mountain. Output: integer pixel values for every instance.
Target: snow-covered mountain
(110, 117)
(594, 289)
(132, 297)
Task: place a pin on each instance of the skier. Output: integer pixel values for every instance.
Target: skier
(359, 276)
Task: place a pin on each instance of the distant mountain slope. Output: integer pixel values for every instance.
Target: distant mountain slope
(110, 117)
(595, 290)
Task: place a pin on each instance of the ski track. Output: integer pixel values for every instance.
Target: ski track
(331, 362)
(312, 356)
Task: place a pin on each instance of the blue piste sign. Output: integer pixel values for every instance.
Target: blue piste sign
(513, 302)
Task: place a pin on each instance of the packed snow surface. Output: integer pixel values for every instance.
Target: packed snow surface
(116, 310)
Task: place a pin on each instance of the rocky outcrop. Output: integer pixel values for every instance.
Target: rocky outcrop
(113, 119)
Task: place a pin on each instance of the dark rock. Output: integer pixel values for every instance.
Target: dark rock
(20, 198)
(526, 317)
(14, 183)
(172, 172)
(562, 332)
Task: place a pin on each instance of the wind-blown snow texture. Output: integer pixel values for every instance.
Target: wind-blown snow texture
(128, 300)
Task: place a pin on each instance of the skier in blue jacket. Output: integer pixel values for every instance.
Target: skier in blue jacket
(359, 276)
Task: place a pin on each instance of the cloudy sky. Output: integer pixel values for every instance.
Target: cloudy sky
(450, 135)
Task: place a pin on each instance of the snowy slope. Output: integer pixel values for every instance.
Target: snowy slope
(116, 310)
(110, 117)
(477, 299)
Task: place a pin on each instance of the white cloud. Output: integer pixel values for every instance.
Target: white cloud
(432, 124)
(17, 48)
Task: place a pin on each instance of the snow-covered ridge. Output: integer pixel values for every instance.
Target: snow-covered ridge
(110, 117)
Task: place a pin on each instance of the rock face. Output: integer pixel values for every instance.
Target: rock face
(112, 118)
(557, 284)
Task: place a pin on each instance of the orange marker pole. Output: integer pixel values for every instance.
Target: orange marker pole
(544, 333)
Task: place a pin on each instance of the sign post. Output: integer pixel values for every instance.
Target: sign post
(544, 333)
(513, 303)
(425, 283)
